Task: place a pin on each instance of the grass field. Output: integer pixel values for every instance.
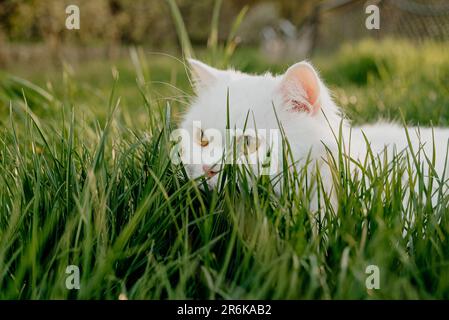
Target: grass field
(85, 181)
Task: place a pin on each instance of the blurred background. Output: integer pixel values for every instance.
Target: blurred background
(371, 71)
(282, 29)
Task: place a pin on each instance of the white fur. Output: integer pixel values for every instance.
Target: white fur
(306, 132)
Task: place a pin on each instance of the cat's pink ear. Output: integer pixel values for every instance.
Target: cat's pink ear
(202, 74)
(300, 87)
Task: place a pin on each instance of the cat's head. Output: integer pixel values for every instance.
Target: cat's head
(255, 105)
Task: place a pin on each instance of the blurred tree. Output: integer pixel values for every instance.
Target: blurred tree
(297, 11)
(125, 21)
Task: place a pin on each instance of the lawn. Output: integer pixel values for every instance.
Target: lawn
(85, 181)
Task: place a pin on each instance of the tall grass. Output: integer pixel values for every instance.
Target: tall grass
(219, 54)
(135, 224)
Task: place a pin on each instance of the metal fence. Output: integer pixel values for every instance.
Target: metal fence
(342, 20)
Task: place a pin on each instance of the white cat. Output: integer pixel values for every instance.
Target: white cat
(304, 107)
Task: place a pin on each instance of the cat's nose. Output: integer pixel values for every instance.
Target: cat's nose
(209, 171)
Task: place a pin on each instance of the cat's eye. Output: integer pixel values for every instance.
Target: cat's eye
(201, 138)
(248, 144)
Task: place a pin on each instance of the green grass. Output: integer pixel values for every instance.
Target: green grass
(84, 180)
